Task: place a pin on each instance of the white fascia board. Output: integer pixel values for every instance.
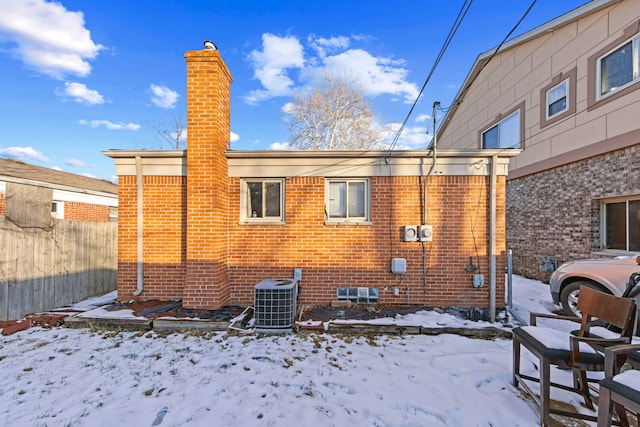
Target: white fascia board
(70, 196)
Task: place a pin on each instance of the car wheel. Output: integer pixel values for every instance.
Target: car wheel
(569, 296)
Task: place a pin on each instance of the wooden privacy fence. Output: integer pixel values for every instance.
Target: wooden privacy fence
(45, 268)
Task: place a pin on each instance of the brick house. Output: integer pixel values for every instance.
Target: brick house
(567, 95)
(204, 225)
(71, 196)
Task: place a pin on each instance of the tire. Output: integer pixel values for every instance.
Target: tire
(569, 296)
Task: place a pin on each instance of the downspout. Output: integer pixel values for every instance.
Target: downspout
(492, 240)
(140, 260)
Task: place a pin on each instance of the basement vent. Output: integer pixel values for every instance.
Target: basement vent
(358, 295)
(275, 305)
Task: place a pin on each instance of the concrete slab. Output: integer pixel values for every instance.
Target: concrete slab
(108, 323)
(184, 325)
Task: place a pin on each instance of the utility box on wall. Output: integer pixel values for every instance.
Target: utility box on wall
(410, 233)
(398, 265)
(425, 233)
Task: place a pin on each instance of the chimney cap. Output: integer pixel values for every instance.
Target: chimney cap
(208, 44)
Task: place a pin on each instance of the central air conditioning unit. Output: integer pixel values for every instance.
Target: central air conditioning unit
(275, 305)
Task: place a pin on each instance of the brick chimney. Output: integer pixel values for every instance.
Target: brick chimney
(208, 129)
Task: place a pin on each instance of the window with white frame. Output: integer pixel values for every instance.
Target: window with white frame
(621, 224)
(504, 134)
(618, 68)
(57, 209)
(262, 200)
(347, 200)
(557, 99)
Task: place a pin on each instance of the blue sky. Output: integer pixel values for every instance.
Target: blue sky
(78, 77)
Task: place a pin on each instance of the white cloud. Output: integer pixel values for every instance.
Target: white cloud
(279, 146)
(323, 45)
(411, 138)
(47, 37)
(423, 118)
(110, 125)
(283, 65)
(375, 75)
(77, 163)
(23, 153)
(163, 96)
(81, 93)
(271, 64)
(233, 137)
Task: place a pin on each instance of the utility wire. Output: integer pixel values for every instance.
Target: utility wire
(495, 52)
(463, 11)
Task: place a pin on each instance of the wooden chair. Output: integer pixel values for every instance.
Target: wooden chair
(619, 390)
(580, 350)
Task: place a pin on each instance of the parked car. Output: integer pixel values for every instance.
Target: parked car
(609, 275)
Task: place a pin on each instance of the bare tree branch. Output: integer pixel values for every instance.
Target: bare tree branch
(335, 116)
(173, 136)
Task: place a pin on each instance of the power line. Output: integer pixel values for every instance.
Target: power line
(495, 52)
(463, 11)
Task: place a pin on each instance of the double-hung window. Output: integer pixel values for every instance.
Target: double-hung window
(621, 224)
(557, 99)
(618, 68)
(504, 134)
(262, 200)
(348, 200)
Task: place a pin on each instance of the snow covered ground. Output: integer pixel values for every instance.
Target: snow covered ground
(69, 377)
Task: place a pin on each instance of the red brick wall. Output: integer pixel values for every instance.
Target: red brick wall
(164, 237)
(85, 212)
(342, 255)
(330, 255)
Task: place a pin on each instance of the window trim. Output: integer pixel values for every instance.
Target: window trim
(570, 77)
(57, 209)
(603, 223)
(366, 220)
(632, 32)
(634, 41)
(247, 219)
(499, 119)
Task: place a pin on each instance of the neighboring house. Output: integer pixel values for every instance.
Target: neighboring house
(567, 94)
(73, 197)
(206, 224)
(58, 237)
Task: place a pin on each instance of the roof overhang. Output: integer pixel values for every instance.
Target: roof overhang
(272, 163)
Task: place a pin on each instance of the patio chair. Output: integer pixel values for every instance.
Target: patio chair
(619, 390)
(580, 350)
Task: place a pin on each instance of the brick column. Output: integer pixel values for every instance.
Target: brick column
(208, 125)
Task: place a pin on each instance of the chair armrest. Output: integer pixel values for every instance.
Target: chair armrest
(534, 316)
(615, 356)
(597, 343)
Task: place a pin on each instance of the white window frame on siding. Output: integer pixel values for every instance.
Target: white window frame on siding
(344, 203)
(620, 228)
(556, 95)
(602, 90)
(504, 132)
(250, 213)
